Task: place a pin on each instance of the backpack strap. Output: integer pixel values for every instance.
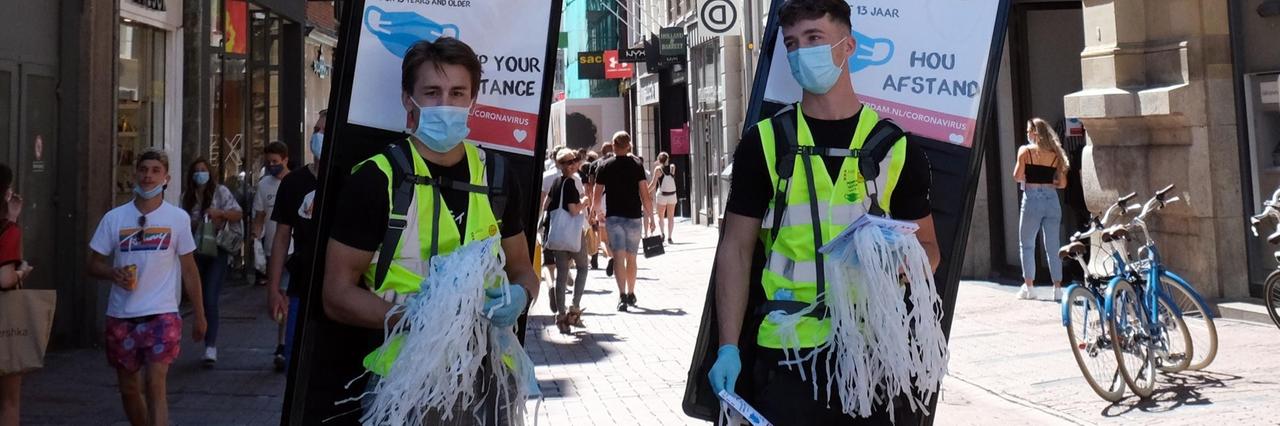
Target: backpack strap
(402, 184)
(879, 141)
(497, 169)
(785, 137)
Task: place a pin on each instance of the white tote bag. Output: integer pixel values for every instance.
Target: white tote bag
(565, 230)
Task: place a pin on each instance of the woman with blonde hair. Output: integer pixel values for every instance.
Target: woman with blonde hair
(663, 187)
(1042, 170)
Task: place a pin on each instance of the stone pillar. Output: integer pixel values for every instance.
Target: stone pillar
(1159, 109)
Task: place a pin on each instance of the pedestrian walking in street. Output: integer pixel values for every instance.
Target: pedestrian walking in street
(144, 248)
(566, 194)
(213, 211)
(620, 181)
(275, 157)
(289, 267)
(792, 372)
(550, 176)
(439, 85)
(13, 271)
(599, 206)
(1041, 168)
(663, 187)
(594, 231)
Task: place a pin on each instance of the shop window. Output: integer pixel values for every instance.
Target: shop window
(140, 102)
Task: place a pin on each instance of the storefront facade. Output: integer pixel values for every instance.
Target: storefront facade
(247, 60)
(148, 91)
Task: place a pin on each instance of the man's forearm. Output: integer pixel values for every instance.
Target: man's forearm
(279, 252)
(192, 285)
(732, 266)
(98, 268)
(355, 306)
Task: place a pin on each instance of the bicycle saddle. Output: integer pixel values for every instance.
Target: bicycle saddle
(1115, 233)
(1071, 250)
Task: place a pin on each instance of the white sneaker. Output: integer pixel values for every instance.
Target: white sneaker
(210, 355)
(1025, 293)
(1057, 294)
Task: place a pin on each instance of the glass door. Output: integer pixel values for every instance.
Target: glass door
(140, 101)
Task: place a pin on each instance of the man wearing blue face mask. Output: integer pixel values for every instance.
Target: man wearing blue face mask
(459, 196)
(799, 179)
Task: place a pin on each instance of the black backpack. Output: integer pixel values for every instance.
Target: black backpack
(877, 145)
(403, 182)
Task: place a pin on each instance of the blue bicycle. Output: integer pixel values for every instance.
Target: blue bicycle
(1147, 308)
(1103, 258)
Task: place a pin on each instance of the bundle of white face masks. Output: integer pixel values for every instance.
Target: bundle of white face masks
(879, 347)
(450, 359)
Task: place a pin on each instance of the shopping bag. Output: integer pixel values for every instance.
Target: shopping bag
(206, 239)
(653, 246)
(259, 257)
(565, 232)
(26, 319)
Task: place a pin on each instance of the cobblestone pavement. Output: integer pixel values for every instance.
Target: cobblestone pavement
(77, 387)
(1009, 364)
(1017, 351)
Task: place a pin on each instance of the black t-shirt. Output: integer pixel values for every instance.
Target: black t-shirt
(570, 190)
(363, 205)
(293, 190)
(621, 177)
(752, 190)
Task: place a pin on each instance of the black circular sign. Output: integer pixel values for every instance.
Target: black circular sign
(718, 16)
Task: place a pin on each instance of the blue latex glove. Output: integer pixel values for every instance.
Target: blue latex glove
(724, 373)
(507, 310)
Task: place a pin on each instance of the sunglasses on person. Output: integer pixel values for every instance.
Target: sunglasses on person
(142, 229)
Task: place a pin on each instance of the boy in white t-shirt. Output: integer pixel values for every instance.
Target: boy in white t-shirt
(276, 161)
(143, 248)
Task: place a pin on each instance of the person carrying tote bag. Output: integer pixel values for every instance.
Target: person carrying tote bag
(565, 241)
(26, 316)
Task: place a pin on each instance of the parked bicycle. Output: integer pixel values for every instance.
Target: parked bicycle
(1103, 260)
(1147, 309)
(1271, 290)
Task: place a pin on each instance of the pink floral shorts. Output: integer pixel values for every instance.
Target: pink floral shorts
(134, 342)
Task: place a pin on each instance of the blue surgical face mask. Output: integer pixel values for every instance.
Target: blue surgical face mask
(147, 195)
(814, 69)
(317, 142)
(201, 178)
(275, 170)
(441, 128)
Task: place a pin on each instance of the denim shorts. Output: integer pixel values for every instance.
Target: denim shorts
(624, 233)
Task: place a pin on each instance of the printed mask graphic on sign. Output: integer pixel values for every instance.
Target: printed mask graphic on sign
(870, 52)
(399, 30)
(515, 66)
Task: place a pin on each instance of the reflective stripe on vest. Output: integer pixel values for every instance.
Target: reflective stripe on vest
(412, 255)
(792, 252)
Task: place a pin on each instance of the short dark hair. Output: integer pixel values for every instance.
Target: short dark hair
(794, 11)
(278, 148)
(154, 154)
(445, 50)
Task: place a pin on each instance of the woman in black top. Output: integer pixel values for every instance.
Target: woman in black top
(564, 194)
(1042, 170)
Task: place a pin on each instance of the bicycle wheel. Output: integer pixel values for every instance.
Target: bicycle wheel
(1199, 320)
(1091, 345)
(1174, 348)
(1130, 339)
(1271, 292)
